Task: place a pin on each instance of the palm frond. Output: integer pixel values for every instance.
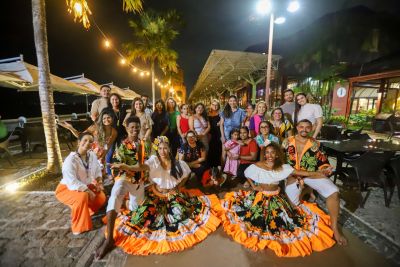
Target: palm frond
(132, 5)
(81, 11)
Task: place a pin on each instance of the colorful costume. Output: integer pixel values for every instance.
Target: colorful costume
(166, 224)
(311, 159)
(260, 220)
(127, 182)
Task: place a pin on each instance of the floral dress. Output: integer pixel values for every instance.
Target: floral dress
(265, 219)
(167, 224)
(231, 165)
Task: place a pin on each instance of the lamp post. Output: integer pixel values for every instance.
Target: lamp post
(264, 7)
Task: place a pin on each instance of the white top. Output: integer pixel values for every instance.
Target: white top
(162, 177)
(262, 176)
(199, 125)
(75, 175)
(310, 112)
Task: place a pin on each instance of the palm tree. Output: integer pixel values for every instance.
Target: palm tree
(54, 159)
(153, 35)
(81, 11)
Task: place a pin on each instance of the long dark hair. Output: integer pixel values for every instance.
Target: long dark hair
(119, 98)
(297, 107)
(227, 108)
(204, 113)
(164, 111)
(270, 126)
(280, 159)
(281, 110)
(176, 168)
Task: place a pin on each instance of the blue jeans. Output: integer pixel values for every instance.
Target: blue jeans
(109, 158)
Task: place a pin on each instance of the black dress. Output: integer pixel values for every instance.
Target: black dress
(215, 150)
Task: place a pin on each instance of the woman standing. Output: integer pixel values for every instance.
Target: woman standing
(172, 133)
(249, 114)
(215, 145)
(168, 220)
(119, 113)
(282, 128)
(259, 116)
(198, 123)
(81, 187)
(146, 123)
(160, 120)
(263, 218)
(182, 122)
(231, 118)
(311, 112)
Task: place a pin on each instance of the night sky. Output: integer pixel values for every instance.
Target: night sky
(210, 24)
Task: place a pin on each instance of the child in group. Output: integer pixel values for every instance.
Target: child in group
(232, 147)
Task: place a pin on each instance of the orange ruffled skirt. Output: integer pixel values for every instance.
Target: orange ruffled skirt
(260, 220)
(161, 226)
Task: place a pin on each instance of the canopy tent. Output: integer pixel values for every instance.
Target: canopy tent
(224, 71)
(17, 74)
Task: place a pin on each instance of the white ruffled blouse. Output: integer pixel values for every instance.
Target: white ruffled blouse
(161, 177)
(262, 176)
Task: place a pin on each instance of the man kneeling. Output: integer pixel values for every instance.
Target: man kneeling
(303, 153)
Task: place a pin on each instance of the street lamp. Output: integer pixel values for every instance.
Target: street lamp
(264, 7)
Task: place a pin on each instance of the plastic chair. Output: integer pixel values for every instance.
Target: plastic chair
(367, 169)
(330, 132)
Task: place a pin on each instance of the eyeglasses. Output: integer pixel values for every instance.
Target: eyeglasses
(263, 127)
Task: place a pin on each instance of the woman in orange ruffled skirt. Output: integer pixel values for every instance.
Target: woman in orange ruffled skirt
(170, 219)
(263, 218)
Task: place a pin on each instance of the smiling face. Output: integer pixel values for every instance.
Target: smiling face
(288, 96)
(133, 129)
(244, 134)
(85, 143)
(171, 104)
(199, 109)
(277, 115)
(106, 119)
(304, 128)
(270, 154)
(139, 106)
(232, 102)
(264, 128)
(235, 136)
(163, 150)
(114, 100)
(191, 138)
(261, 108)
(301, 100)
(184, 109)
(105, 92)
(145, 100)
(249, 110)
(214, 106)
(159, 107)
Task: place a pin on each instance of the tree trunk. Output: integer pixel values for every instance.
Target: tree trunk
(54, 159)
(153, 86)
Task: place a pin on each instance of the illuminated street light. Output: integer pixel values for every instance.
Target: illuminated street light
(293, 6)
(142, 74)
(134, 69)
(280, 20)
(78, 8)
(122, 61)
(264, 7)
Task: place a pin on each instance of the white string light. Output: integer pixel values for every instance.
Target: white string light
(123, 61)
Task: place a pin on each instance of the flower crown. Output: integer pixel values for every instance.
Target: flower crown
(159, 140)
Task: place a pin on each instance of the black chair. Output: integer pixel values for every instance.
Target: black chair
(394, 131)
(34, 134)
(355, 135)
(367, 169)
(331, 132)
(393, 168)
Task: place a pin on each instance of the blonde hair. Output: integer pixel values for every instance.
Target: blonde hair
(266, 109)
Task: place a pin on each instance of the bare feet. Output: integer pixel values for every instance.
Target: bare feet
(340, 239)
(103, 249)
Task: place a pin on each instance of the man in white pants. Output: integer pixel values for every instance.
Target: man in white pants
(303, 153)
(126, 181)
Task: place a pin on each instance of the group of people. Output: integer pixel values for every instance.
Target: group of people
(149, 155)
